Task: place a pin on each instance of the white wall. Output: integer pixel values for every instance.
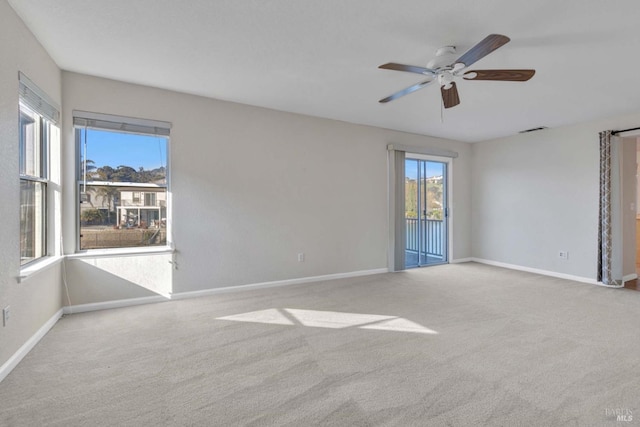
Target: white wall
(628, 205)
(36, 299)
(252, 187)
(536, 194)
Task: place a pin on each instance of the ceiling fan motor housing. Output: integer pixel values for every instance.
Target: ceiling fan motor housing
(445, 56)
(445, 79)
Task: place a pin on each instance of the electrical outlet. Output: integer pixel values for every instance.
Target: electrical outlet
(563, 255)
(5, 316)
(301, 257)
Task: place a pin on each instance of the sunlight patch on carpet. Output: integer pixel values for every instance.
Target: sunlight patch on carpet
(333, 319)
(401, 325)
(271, 316)
(330, 319)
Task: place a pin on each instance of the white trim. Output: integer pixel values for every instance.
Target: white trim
(263, 285)
(121, 252)
(38, 266)
(13, 361)
(106, 305)
(609, 286)
(629, 277)
(461, 260)
(537, 271)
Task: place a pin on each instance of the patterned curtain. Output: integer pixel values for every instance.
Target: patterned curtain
(604, 226)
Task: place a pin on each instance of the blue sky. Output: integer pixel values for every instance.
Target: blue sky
(411, 169)
(115, 149)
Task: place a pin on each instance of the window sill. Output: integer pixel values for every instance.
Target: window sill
(118, 252)
(38, 266)
(45, 263)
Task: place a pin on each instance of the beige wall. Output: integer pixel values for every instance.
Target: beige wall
(252, 187)
(36, 299)
(536, 194)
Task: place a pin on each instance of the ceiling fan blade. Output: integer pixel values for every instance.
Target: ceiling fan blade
(406, 91)
(482, 49)
(450, 96)
(407, 68)
(503, 75)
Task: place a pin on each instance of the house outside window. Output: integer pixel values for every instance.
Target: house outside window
(123, 166)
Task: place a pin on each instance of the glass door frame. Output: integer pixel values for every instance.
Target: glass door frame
(446, 196)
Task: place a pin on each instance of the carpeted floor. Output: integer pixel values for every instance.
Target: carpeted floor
(460, 345)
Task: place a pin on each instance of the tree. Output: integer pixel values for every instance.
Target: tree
(105, 173)
(88, 166)
(410, 197)
(125, 174)
(91, 216)
(108, 194)
(434, 198)
(430, 202)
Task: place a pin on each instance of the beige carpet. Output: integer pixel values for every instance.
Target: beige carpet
(465, 344)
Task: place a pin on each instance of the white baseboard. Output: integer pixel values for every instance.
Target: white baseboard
(13, 361)
(537, 271)
(629, 277)
(95, 306)
(82, 308)
(263, 285)
(460, 260)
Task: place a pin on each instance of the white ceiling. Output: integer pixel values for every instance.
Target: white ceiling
(320, 57)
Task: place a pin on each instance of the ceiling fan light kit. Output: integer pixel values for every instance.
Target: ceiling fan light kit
(444, 70)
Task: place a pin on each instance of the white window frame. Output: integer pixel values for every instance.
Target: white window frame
(115, 123)
(35, 102)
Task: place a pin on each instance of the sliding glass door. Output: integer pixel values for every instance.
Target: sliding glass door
(425, 212)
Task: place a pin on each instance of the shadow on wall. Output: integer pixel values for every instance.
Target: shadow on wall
(100, 279)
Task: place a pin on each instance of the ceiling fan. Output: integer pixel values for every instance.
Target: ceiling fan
(444, 69)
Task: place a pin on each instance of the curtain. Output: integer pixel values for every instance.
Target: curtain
(400, 240)
(604, 223)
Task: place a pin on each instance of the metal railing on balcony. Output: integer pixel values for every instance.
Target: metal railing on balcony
(432, 238)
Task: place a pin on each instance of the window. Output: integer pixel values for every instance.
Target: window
(122, 171)
(149, 199)
(38, 116)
